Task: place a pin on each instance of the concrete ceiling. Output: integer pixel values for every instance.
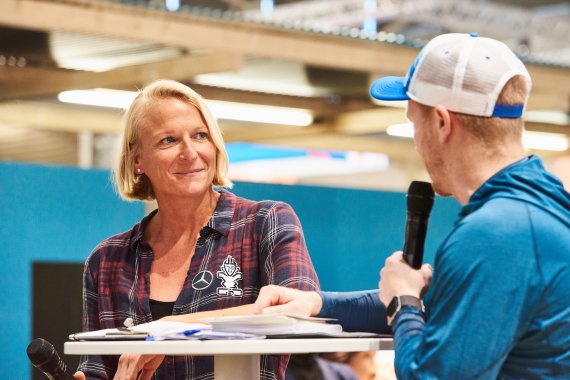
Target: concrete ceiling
(308, 54)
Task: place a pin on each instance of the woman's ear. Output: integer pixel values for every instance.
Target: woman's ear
(445, 127)
(138, 166)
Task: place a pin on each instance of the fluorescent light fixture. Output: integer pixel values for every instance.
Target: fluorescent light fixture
(401, 130)
(99, 53)
(172, 5)
(556, 142)
(550, 117)
(98, 97)
(220, 109)
(260, 114)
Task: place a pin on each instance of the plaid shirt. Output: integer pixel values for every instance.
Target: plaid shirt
(244, 246)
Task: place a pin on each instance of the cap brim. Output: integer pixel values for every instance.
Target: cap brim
(389, 88)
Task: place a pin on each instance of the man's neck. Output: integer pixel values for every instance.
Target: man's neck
(476, 167)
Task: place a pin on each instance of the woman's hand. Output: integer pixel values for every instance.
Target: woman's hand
(137, 367)
(275, 299)
(79, 375)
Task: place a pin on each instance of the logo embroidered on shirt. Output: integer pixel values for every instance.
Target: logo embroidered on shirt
(202, 280)
(229, 275)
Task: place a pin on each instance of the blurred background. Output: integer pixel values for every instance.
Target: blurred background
(288, 80)
(313, 59)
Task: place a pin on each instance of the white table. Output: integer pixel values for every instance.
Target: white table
(233, 359)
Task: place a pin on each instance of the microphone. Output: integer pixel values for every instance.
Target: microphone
(43, 356)
(419, 200)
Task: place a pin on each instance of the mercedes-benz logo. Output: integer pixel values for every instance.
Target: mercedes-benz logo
(202, 280)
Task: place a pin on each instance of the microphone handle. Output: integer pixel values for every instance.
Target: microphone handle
(416, 230)
(44, 356)
(63, 372)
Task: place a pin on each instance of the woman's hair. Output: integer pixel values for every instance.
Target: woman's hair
(132, 186)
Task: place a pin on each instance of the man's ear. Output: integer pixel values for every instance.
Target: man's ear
(444, 120)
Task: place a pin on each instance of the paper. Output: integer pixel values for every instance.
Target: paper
(205, 335)
(143, 331)
(269, 325)
(228, 327)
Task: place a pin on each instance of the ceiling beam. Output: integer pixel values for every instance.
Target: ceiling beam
(321, 106)
(21, 82)
(241, 38)
(60, 117)
(378, 119)
(195, 32)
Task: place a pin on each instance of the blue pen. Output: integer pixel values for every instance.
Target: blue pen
(191, 332)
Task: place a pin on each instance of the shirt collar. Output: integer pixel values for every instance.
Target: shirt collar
(219, 222)
(223, 214)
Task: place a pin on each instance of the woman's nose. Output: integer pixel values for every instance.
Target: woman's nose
(187, 151)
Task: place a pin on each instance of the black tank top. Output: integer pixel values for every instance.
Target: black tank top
(159, 309)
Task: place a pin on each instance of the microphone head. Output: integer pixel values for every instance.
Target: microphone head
(41, 354)
(420, 198)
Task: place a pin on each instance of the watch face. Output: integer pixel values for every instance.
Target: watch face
(393, 306)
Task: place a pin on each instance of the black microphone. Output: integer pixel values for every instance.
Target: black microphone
(420, 201)
(43, 356)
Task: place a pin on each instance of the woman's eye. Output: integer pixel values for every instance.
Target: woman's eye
(201, 136)
(168, 140)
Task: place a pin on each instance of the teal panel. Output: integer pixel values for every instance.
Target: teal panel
(47, 214)
(58, 214)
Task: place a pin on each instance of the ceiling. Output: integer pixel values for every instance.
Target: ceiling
(319, 55)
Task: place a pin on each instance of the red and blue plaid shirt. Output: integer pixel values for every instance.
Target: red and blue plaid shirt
(244, 246)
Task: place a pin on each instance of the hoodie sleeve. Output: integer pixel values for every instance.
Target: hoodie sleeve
(480, 300)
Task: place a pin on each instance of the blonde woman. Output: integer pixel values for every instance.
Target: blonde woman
(203, 252)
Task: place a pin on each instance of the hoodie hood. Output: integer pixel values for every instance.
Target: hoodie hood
(528, 181)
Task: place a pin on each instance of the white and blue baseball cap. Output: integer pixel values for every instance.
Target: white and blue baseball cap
(464, 73)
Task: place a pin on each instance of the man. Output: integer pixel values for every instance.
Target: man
(498, 305)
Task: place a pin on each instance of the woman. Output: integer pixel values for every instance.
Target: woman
(203, 252)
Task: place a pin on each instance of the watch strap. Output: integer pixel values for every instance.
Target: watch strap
(400, 301)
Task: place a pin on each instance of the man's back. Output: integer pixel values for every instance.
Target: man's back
(501, 280)
(544, 348)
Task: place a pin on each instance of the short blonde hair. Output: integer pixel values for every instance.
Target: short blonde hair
(492, 131)
(138, 187)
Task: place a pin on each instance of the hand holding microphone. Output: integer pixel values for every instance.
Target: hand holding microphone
(43, 356)
(401, 283)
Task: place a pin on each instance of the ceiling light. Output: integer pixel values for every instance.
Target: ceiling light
(220, 109)
(549, 116)
(172, 5)
(545, 141)
(401, 130)
(98, 97)
(260, 114)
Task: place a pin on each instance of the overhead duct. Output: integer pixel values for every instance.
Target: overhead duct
(19, 47)
(337, 81)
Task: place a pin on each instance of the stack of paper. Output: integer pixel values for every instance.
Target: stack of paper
(162, 330)
(272, 325)
(229, 327)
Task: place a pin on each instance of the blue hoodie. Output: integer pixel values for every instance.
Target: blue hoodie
(499, 300)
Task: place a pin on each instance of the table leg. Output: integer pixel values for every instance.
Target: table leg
(233, 367)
